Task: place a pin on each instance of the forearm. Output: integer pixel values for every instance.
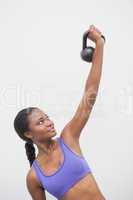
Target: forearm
(94, 76)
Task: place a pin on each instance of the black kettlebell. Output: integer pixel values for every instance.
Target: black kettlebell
(87, 52)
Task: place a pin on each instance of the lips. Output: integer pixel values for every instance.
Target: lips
(51, 129)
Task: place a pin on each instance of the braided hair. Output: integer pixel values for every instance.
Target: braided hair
(21, 125)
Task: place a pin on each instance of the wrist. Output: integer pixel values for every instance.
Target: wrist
(100, 41)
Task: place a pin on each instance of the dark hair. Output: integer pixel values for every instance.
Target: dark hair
(21, 125)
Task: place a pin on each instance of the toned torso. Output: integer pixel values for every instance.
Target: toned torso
(85, 189)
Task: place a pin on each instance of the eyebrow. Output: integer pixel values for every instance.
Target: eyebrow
(42, 117)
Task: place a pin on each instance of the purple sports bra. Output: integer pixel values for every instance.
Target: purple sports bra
(73, 168)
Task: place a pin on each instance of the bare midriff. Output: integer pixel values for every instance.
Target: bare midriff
(85, 189)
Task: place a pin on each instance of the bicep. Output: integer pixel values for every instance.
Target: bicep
(36, 191)
(81, 116)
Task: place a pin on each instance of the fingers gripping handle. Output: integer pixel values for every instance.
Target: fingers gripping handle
(87, 51)
(85, 36)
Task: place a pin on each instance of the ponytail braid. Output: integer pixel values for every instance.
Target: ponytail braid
(30, 151)
(21, 125)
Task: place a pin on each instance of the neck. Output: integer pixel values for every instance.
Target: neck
(46, 148)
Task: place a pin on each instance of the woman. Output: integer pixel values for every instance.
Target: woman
(60, 167)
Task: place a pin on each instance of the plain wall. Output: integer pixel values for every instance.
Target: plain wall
(40, 44)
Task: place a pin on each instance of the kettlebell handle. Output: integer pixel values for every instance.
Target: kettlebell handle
(85, 36)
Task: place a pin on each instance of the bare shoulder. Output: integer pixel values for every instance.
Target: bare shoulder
(31, 176)
(72, 142)
(34, 186)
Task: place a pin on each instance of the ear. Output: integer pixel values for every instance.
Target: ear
(28, 135)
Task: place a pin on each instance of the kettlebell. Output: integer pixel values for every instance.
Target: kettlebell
(87, 52)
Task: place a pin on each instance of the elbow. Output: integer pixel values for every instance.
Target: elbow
(90, 97)
(92, 86)
(92, 90)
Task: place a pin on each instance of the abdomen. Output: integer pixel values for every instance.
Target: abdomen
(85, 189)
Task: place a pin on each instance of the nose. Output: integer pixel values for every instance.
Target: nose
(50, 123)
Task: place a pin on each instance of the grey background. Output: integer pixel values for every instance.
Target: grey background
(40, 44)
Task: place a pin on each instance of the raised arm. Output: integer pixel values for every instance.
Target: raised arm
(74, 127)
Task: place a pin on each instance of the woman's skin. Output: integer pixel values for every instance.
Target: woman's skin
(42, 131)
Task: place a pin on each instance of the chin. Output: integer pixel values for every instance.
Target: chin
(54, 133)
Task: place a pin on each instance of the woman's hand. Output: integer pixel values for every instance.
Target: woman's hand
(95, 34)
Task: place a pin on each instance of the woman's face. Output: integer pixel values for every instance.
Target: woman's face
(41, 126)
